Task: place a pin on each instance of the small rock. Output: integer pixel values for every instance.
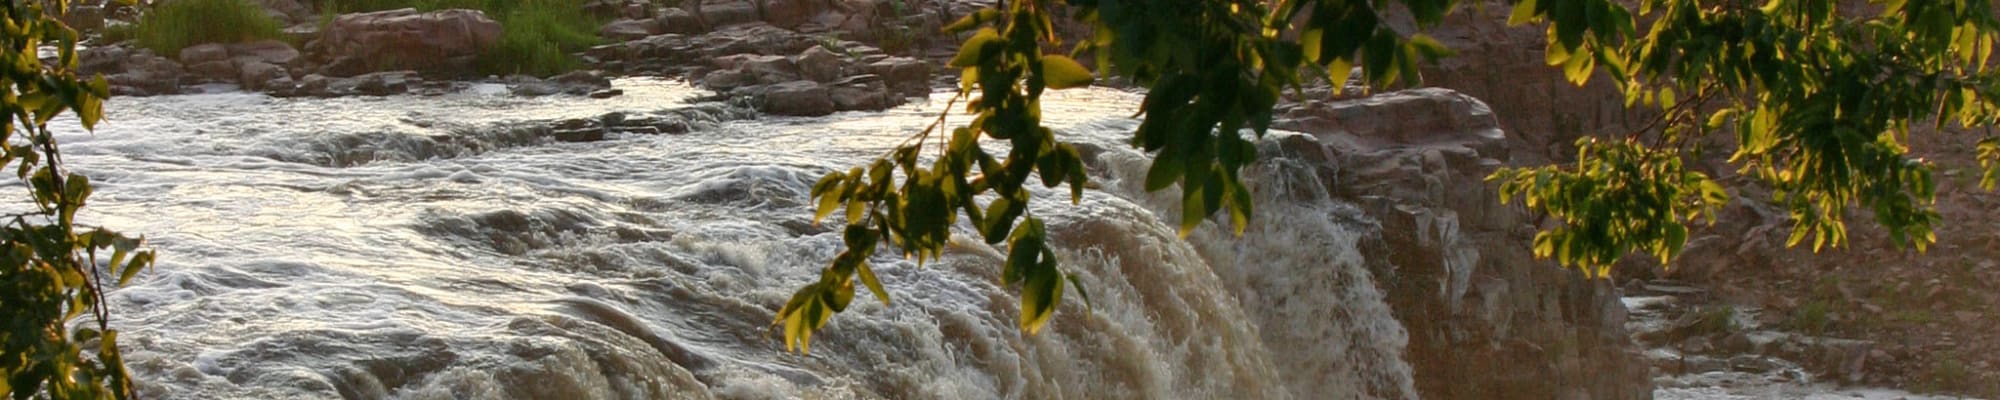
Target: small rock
(606, 93)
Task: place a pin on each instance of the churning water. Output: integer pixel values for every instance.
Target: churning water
(428, 248)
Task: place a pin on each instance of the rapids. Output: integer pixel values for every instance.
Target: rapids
(423, 248)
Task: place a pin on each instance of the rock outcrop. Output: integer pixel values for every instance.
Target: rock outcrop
(1485, 319)
(444, 43)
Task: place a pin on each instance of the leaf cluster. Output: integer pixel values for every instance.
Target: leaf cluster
(1215, 68)
(1821, 97)
(49, 267)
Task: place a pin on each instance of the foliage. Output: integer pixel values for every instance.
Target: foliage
(1210, 83)
(172, 26)
(537, 36)
(49, 266)
(1812, 318)
(1592, 202)
(1820, 100)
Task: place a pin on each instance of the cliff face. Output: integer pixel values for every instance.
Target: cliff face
(1485, 319)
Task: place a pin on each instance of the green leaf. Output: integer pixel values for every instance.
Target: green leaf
(1524, 12)
(975, 48)
(1165, 171)
(1339, 71)
(874, 285)
(972, 20)
(1061, 72)
(1080, 292)
(1039, 296)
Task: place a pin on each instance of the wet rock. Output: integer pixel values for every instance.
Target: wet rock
(386, 83)
(726, 80)
(576, 83)
(796, 98)
(282, 86)
(861, 93)
(316, 85)
(444, 42)
(1752, 364)
(257, 75)
(606, 93)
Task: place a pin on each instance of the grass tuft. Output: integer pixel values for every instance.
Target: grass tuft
(537, 36)
(173, 26)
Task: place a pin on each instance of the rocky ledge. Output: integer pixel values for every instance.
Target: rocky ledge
(1485, 318)
(782, 57)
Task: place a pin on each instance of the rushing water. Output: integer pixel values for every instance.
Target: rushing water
(419, 247)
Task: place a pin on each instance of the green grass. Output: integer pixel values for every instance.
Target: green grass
(1716, 320)
(1811, 318)
(176, 25)
(537, 38)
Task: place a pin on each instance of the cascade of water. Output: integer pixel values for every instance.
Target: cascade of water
(648, 266)
(1300, 274)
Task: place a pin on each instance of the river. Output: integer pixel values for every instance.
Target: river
(418, 247)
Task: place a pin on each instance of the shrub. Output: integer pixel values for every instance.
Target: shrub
(538, 37)
(173, 26)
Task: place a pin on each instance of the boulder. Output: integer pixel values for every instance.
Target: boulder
(205, 52)
(578, 83)
(104, 60)
(264, 51)
(84, 18)
(789, 14)
(727, 12)
(725, 80)
(796, 98)
(629, 29)
(821, 65)
(315, 85)
(907, 76)
(861, 93)
(143, 73)
(444, 42)
(675, 20)
(283, 86)
(254, 75)
(760, 68)
(386, 83)
(219, 70)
